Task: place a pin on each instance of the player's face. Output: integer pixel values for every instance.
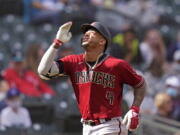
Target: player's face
(92, 39)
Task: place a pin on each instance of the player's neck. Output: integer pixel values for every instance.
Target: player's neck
(92, 56)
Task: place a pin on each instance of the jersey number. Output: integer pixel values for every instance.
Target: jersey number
(110, 97)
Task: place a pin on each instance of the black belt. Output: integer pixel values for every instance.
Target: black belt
(95, 122)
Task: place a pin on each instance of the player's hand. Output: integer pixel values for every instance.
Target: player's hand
(131, 119)
(63, 33)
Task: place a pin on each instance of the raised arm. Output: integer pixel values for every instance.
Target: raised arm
(48, 67)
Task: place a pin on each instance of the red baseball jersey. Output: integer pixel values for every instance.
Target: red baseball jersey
(99, 90)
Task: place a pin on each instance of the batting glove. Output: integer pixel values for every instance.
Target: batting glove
(63, 33)
(131, 119)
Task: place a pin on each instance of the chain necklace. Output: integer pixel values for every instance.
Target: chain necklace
(92, 67)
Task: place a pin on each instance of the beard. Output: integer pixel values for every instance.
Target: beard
(84, 44)
(88, 43)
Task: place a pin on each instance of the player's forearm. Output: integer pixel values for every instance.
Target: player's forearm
(139, 94)
(47, 60)
(47, 66)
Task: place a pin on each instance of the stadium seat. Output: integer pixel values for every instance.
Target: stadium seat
(19, 29)
(10, 21)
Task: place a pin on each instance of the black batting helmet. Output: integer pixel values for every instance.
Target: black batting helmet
(97, 26)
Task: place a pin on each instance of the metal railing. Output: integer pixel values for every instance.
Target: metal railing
(155, 125)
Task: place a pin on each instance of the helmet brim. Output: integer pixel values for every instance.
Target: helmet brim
(86, 27)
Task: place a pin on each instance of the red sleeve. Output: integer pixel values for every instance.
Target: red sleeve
(130, 77)
(67, 64)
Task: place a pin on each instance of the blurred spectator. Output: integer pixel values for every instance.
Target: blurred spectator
(33, 55)
(164, 105)
(173, 47)
(175, 68)
(126, 46)
(14, 115)
(143, 12)
(147, 101)
(41, 11)
(97, 3)
(153, 47)
(104, 3)
(172, 86)
(26, 81)
(173, 90)
(82, 9)
(155, 77)
(3, 90)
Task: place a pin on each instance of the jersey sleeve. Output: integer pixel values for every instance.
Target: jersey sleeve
(65, 65)
(130, 77)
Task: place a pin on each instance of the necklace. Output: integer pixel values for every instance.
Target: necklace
(92, 67)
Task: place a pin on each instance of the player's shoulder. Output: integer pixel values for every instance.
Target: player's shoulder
(74, 56)
(116, 60)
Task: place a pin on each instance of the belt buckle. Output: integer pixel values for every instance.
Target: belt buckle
(90, 122)
(102, 121)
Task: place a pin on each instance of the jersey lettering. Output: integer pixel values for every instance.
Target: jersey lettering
(105, 79)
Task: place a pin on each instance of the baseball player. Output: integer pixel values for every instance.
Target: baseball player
(97, 79)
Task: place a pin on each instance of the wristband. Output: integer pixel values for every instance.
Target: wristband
(57, 43)
(135, 108)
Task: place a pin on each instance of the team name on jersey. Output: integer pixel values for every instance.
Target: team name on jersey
(105, 79)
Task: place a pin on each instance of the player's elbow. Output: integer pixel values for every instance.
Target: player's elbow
(47, 73)
(44, 77)
(142, 88)
(41, 70)
(42, 73)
